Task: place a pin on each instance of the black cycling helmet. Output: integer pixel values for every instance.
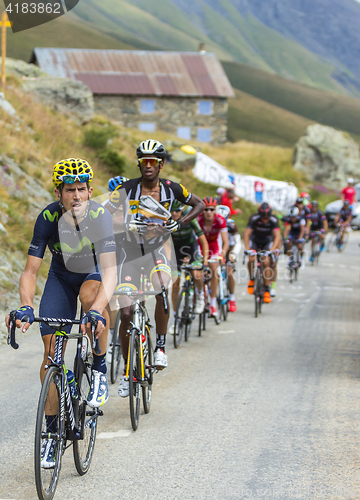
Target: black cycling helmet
(346, 203)
(151, 147)
(265, 210)
(314, 203)
(300, 200)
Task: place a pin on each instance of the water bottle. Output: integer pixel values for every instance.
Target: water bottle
(144, 345)
(72, 384)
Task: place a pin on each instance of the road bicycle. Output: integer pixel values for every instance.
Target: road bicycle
(185, 310)
(206, 312)
(223, 292)
(140, 361)
(335, 239)
(63, 414)
(294, 261)
(316, 247)
(259, 285)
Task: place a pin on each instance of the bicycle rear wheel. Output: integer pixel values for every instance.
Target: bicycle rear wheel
(116, 351)
(50, 424)
(134, 380)
(345, 241)
(83, 449)
(179, 323)
(148, 370)
(331, 242)
(257, 292)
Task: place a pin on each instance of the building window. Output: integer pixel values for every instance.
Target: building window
(205, 108)
(204, 134)
(147, 106)
(147, 127)
(184, 133)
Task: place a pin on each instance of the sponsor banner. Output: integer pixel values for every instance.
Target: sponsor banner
(280, 195)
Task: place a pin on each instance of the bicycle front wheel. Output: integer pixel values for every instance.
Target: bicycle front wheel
(257, 291)
(344, 241)
(331, 241)
(50, 434)
(134, 379)
(148, 370)
(180, 317)
(116, 351)
(86, 418)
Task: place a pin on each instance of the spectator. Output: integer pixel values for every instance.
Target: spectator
(228, 198)
(220, 192)
(349, 192)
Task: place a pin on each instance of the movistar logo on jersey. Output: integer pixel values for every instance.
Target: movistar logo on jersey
(64, 247)
(51, 217)
(95, 215)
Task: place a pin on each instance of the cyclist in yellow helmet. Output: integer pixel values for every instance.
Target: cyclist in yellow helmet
(79, 234)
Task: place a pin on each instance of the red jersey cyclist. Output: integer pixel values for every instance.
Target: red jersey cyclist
(212, 225)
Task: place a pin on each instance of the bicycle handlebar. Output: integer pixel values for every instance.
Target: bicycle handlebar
(141, 294)
(260, 252)
(54, 323)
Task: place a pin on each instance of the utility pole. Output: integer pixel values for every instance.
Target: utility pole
(5, 23)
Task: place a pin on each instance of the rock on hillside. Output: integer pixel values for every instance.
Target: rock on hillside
(327, 156)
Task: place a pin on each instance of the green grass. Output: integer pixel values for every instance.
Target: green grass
(335, 110)
(252, 119)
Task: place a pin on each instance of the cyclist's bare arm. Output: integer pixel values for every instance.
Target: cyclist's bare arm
(308, 226)
(198, 207)
(247, 235)
(326, 225)
(336, 220)
(27, 287)
(225, 243)
(205, 248)
(277, 239)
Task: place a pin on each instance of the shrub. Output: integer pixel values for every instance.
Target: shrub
(97, 137)
(114, 160)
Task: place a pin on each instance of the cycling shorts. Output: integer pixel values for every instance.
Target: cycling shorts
(191, 251)
(131, 269)
(260, 244)
(60, 296)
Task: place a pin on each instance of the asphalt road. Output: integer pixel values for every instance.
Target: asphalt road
(264, 408)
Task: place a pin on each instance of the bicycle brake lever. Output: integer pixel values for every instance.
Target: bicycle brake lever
(11, 335)
(95, 341)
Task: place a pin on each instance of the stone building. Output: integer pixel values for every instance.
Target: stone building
(183, 93)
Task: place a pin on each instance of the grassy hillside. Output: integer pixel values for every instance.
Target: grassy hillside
(252, 119)
(341, 112)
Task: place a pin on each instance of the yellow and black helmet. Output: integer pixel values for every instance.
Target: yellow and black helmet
(71, 170)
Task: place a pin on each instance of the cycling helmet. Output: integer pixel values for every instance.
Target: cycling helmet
(151, 147)
(117, 181)
(346, 203)
(305, 195)
(300, 200)
(71, 166)
(314, 203)
(177, 205)
(350, 180)
(293, 212)
(223, 210)
(265, 210)
(210, 201)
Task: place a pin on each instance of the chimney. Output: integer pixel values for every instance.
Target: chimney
(202, 49)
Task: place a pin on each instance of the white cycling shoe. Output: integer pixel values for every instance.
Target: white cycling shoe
(160, 360)
(123, 390)
(200, 304)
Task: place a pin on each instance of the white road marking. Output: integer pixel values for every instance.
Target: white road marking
(300, 301)
(342, 265)
(294, 295)
(226, 331)
(328, 264)
(112, 435)
(338, 288)
(332, 283)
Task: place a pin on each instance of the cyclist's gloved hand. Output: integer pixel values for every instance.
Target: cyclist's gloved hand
(232, 257)
(93, 316)
(172, 225)
(206, 272)
(25, 314)
(138, 226)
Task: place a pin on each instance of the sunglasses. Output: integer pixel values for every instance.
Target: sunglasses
(70, 179)
(209, 209)
(153, 161)
(178, 210)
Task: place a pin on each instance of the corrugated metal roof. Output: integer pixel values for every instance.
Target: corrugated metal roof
(135, 72)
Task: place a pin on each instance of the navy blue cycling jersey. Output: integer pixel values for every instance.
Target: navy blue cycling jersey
(295, 223)
(75, 248)
(345, 213)
(317, 220)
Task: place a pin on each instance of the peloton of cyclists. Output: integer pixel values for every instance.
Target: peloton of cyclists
(214, 225)
(343, 218)
(262, 233)
(316, 221)
(187, 251)
(146, 250)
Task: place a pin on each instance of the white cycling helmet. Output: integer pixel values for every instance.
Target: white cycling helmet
(223, 210)
(151, 147)
(350, 180)
(294, 212)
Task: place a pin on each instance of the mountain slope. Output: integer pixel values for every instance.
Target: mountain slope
(335, 110)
